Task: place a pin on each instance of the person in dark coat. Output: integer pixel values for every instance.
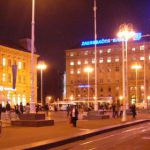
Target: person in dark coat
(21, 108)
(0, 110)
(74, 115)
(8, 109)
(133, 109)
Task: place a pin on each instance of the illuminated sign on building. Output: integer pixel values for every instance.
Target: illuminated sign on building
(6, 89)
(137, 37)
(84, 86)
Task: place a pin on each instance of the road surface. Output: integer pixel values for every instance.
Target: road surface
(136, 137)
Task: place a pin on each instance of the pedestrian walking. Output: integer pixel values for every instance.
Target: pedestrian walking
(0, 110)
(133, 109)
(21, 108)
(121, 111)
(8, 111)
(17, 110)
(27, 108)
(74, 115)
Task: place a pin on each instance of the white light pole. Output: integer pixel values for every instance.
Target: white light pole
(125, 33)
(41, 66)
(88, 70)
(95, 49)
(32, 101)
(136, 67)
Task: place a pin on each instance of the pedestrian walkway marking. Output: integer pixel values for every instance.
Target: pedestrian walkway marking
(85, 129)
(129, 130)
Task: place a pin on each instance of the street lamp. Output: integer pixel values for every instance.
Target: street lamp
(125, 33)
(136, 67)
(41, 66)
(88, 70)
(95, 50)
(32, 101)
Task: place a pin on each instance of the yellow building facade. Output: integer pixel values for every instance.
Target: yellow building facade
(109, 72)
(22, 59)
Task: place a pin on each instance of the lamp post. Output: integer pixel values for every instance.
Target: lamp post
(41, 66)
(32, 101)
(95, 50)
(136, 67)
(88, 70)
(125, 33)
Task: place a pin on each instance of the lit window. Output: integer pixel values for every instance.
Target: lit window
(93, 61)
(71, 71)
(142, 87)
(3, 77)
(109, 59)
(19, 99)
(142, 47)
(133, 49)
(149, 57)
(86, 53)
(4, 61)
(86, 62)
(117, 59)
(71, 63)
(79, 62)
(142, 58)
(78, 71)
(109, 50)
(101, 60)
(71, 54)
(9, 77)
(100, 51)
(19, 65)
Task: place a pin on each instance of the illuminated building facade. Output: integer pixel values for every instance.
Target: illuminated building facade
(109, 72)
(22, 60)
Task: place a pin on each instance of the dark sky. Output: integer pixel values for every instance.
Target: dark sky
(63, 24)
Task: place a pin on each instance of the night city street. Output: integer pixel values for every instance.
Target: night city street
(75, 74)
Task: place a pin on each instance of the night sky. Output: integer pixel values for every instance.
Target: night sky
(63, 24)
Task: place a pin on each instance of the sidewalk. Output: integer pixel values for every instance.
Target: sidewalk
(15, 136)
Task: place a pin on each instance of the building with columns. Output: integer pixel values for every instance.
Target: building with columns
(20, 58)
(109, 72)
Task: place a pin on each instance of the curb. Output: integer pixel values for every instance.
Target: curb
(48, 144)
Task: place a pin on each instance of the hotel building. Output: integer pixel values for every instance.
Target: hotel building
(22, 60)
(109, 72)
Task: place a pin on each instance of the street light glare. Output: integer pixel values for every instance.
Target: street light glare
(41, 66)
(88, 69)
(136, 67)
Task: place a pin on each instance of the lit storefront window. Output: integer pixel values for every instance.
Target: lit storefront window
(109, 50)
(133, 49)
(142, 58)
(109, 60)
(23, 100)
(4, 61)
(71, 63)
(78, 71)
(19, 65)
(101, 60)
(100, 51)
(93, 61)
(19, 99)
(86, 62)
(79, 62)
(71, 71)
(71, 54)
(14, 99)
(142, 47)
(117, 59)
(3, 77)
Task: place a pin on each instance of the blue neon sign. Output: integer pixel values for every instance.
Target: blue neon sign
(84, 86)
(137, 37)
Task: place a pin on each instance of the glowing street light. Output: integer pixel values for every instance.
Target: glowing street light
(136, 67)
(41, 66)
(125, 33)
(88, 70)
